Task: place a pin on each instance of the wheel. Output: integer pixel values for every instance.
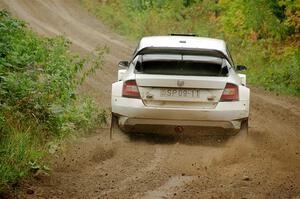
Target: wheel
(243, 132)
(122, 128)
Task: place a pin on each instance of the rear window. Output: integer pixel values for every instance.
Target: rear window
(181, 67)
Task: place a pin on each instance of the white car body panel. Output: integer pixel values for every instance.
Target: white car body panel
(121, 74)
(206, 110)
(243, 79)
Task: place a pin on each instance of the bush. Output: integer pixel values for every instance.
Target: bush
(38, 100)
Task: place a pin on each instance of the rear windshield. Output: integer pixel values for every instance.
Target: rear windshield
(181, 67)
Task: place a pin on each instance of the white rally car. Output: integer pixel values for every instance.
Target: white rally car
(180, 83)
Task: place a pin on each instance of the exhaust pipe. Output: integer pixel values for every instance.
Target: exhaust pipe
(179, 129)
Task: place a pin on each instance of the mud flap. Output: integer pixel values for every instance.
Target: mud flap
(113, 122)
(243, 133)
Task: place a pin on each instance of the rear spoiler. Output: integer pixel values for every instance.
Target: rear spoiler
(185, 51)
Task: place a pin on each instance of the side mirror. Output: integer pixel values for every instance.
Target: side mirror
(241, 68)
(123, 64)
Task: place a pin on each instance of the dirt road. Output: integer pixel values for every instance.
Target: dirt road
(267, 165)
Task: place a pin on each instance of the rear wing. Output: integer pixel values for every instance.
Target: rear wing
(182, 51)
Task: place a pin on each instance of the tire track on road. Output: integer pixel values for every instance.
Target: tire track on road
(167, 190)
(159, 155)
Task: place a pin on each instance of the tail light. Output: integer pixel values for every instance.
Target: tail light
(230, 93)
(130, 89)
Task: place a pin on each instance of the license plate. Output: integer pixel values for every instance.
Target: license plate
(185, 93)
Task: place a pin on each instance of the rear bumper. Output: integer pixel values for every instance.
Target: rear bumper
(133, 112)
(125, 121)
(170, 126)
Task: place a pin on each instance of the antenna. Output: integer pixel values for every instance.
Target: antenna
(184, 34)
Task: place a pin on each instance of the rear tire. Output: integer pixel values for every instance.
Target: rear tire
(123, 129)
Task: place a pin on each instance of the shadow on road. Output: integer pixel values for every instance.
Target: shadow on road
(188, 139)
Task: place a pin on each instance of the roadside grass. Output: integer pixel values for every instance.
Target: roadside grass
(19, 151)
(267, 44)
(39, 103)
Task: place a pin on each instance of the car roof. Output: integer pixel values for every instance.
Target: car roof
(183, 42)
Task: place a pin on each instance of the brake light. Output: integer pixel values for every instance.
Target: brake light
(130, 89)
(230, 93)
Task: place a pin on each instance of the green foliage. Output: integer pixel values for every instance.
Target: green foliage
(245, 17)
(288, 12)
(38, 101)
(264, 35)
(283, 72)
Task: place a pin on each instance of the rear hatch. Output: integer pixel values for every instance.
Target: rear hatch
(185, 81)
